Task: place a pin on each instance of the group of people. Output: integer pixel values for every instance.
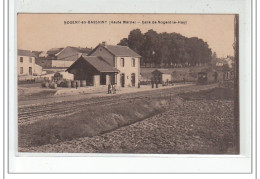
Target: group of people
(111, 89)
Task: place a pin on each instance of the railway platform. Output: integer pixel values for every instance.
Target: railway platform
(73, 94)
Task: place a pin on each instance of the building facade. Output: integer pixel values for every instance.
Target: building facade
(124, 59)
(162, 75)
(26, 65)
(61, 57)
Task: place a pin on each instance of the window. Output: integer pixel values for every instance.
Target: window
(133, 62)
(21, 70)
(114, 62)
(21, 59)
(133, 79)
(122, 62)
(30, 59)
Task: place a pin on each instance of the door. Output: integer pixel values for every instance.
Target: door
(122, 80)
(30, 70)
(112, 79)
(103, 79)
(133, 79)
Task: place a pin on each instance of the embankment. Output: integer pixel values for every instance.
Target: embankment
(94, 120)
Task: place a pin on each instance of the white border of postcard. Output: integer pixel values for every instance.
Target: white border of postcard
(135, 163)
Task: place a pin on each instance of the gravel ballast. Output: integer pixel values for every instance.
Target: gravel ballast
(194, 127)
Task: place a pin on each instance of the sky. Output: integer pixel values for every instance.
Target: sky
(41, 32)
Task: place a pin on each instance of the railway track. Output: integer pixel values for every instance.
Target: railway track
(29, 114)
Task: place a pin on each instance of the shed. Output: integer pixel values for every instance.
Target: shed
(95, 70)
(162, 75)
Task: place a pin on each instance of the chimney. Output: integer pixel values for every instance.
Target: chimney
(104, 43)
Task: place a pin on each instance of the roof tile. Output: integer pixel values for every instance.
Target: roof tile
(100, 64)
(25, 53)
(119, 50)
(54, 51)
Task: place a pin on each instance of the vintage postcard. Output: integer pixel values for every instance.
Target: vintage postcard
(128, 83)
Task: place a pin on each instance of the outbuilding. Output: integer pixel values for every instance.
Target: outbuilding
(162, 75)
(94, 69)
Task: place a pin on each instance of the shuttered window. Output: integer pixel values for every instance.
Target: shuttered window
(122, 62)
(133, 62)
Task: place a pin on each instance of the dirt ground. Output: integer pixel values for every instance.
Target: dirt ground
(29, 95)
(197, 125)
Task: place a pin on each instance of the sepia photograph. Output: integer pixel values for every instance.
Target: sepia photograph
(128, 83)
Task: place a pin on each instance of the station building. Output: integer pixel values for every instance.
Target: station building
(108, 64)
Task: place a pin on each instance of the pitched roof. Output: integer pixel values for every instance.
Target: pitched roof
(81, 50)
(73, 57)
(36, 53)
(100, 64)
(27, 53)
(54, 51)
(163, 71)
(118, 50)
